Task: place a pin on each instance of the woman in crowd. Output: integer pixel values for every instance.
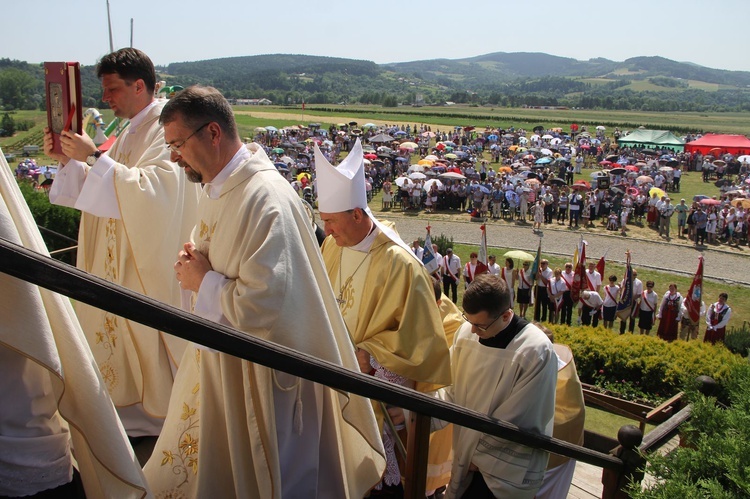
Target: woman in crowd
(669, 314)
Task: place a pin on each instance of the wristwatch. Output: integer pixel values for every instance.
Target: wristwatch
(90, 160)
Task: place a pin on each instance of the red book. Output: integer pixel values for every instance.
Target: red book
(62, 84)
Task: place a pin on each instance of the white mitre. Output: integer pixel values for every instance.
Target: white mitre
(342, 188)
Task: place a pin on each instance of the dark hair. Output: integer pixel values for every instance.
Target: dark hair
(612, 278)
(129, 64)
(198, 105)
(510, 261)
(488, 293)
(724, 295)
(649, 284)
(437, 288)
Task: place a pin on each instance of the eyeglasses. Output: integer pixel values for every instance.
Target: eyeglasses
(482, 328)
(175, 148)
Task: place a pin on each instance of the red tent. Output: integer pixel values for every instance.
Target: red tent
(732, 144)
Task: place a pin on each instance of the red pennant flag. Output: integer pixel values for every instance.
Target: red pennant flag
(695, 293)
(579, 280)
(600, 268)
(482, 267)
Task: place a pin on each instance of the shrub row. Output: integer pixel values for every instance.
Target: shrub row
(658, 369)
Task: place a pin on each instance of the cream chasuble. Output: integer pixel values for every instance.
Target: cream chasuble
(53, 395)
(390, 310)
(235, 428)
(157, 207)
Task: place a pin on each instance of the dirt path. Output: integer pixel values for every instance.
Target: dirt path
(561, 241)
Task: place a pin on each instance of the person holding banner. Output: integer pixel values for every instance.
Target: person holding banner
(647, 308)
(670, 314)
(543, 303)
(637, 287)
(568, 275)
(717, 318)
(609, 307)
(451, 269)
(557, 287)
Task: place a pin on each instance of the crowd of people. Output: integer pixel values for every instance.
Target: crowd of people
(181, 210)
(208, 224)
(528, 177)
(549, 293)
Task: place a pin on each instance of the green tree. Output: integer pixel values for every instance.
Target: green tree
(8, 125)
(16, 89)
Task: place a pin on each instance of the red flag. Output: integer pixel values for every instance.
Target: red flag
(482, 267)
(303, 105)
(695, 293)
(579, 280)
(600, 268)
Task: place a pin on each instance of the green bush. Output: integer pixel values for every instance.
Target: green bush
(714, 462)
(738, 340)
(443, 242)
(646, 366)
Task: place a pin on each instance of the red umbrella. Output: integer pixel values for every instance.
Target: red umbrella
(371, 156)
(605, 163)
(582, 183)
(440, 146)
(710, 202)
(632, 168)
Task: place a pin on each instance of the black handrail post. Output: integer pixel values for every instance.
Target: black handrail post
(616, 483)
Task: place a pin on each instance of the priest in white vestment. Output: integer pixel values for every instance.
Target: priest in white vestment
(235, 428)
(384, 292)
(505, 368)
(137, 210)
(55, 411)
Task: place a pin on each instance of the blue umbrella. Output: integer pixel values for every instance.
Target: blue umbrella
(401, 158)
(492, 137)
(543, 161)
(272, 129)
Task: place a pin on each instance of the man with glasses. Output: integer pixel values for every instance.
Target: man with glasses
(137, 211)
(504, 367)
(235, 428)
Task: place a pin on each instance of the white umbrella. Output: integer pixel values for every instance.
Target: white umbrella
(400, 181)
(600, 127)
(432, 157)
(555, 141)
(451, 176)
(547, 137)
(417, 176)
(744, 159)
(428, 185)
(546, 152)
(416, 168)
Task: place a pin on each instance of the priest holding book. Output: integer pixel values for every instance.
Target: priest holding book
(137, 211)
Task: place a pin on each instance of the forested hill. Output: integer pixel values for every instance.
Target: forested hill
(496, 79)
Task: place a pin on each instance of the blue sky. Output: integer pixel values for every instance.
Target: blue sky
(712, 34)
